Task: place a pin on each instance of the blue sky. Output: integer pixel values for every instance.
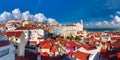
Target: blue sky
(66, 11)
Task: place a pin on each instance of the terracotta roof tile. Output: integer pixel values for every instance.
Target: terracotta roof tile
(44, 44)
(71, 44)
(14, 33)
(2, 25)
(118, 56)
(89, 46)
(27, 27)
(81, 55)
(53, 49)
(115, 38)
(44, 54)
(33, 42)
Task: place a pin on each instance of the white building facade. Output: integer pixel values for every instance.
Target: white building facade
(7, 52)
(71, 30)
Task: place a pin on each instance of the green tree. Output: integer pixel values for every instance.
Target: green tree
(77, 38)
(68, 38)
(71, 37)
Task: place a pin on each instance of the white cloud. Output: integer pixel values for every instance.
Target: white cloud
(25, 15)
(117, 19)
(51, 20)
(5, 16)
(112, 23)
(40, 17)
(106, 24)
(118, 12)
(98, 23)
(16, 14)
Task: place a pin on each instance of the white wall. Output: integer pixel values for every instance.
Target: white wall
(10, 55)
(21, 46)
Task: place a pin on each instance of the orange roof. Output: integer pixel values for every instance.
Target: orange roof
(118, 55)
(78, 45)
(110, 55)
(116, 44)
(52, 41)
(40, 38)
(53, 49)
(81, 55)
(108, 44)
(27, 27)
(44, 44)
(44, 54)
(4, 43)
(60, 39)
(14, 33)
(33, 42)
(115, 38)
(89, 47)
(99, 41)
(80, 32)
(2, 25)
(71, 44)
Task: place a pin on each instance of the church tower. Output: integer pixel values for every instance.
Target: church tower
(81, 21)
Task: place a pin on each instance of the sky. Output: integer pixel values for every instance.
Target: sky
(94, 13)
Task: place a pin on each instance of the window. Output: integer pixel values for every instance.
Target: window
(4, 52)
(25, 32)
(16, 46)
(16, 39)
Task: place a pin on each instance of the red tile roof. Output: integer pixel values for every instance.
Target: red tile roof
(108, 44)
(115, 38)
(99, 41)
(118, 56)
(44, 44)
(80, 32)
(78, 45)
(27, 27)
(2, 25)
(4, 43)
(52, 41)
(44, 54)
(33, 42)
(71, 44)
(89, 46)
(81, 55)
(62, 41)
(53, 49)
(40, 38)
(117, 44)
(14, 33)
(110, 55)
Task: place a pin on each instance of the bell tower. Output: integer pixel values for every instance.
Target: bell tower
(81, 21)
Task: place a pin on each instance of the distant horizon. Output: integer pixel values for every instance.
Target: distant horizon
(97, 13)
